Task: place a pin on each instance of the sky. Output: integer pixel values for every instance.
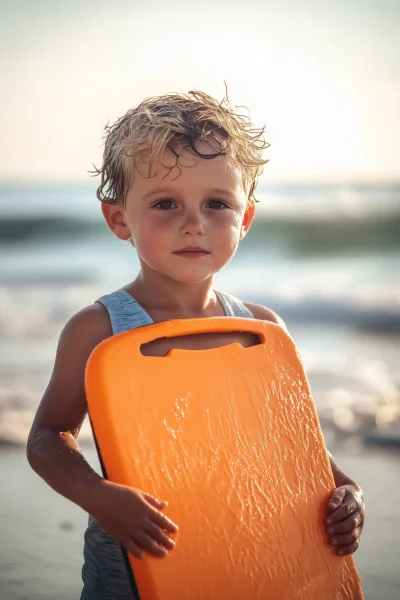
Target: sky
(323, 77)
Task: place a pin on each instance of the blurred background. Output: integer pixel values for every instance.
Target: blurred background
(324, 252)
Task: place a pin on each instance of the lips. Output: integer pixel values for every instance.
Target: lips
(192, 252)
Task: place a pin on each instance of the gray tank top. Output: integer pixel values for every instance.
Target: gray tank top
(104, 573)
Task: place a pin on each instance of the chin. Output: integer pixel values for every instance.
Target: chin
(193, 277)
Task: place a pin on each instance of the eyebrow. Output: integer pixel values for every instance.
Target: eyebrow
(170, 190)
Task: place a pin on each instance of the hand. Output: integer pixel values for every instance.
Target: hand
(134, 519)
(346, 519)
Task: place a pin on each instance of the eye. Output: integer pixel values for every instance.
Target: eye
(217, 204)
(164, 204)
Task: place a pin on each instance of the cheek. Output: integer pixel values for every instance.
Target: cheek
(150, 235)
(228, 233)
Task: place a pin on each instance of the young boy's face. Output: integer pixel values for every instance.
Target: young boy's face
(185, 221)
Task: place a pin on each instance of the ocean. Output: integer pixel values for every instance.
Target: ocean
(326, 258)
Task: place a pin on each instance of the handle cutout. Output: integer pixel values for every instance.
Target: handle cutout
(199, 341)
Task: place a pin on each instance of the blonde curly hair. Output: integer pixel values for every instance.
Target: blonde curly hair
(168, 121)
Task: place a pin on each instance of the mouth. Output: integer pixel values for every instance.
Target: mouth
(192, 252)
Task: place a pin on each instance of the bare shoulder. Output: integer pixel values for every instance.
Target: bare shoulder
(80, 336)
(88, 327)
(63, 406)
(265, 314)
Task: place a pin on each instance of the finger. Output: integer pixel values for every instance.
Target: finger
(345, 539)
(344, 511)
(159, 504)
(145, 541)
(337, 499)
(159, 535)
(163, 521)
(346, 525)
(350, 549)
(132, 547)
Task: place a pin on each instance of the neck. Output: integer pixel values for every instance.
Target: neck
(155, 292)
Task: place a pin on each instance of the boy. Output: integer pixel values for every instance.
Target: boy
(178, 182)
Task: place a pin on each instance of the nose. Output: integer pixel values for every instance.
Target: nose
(193, 224)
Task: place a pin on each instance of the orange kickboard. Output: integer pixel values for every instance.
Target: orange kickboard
(229, 436)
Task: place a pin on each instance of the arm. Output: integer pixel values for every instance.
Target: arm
(131, 516)
(52, 449)
(339, 476)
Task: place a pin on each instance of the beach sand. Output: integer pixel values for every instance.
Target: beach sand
(42, 533)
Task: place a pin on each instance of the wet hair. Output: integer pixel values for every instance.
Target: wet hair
(178, 121)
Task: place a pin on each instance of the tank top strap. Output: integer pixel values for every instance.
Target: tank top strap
(233, 306)
(125, 313)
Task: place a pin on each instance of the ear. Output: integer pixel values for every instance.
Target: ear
(115, 219)
(247, 220)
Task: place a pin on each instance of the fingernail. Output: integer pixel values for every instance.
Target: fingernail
(328, 521)
(340, 551)
(331, 530)
(334, 542)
